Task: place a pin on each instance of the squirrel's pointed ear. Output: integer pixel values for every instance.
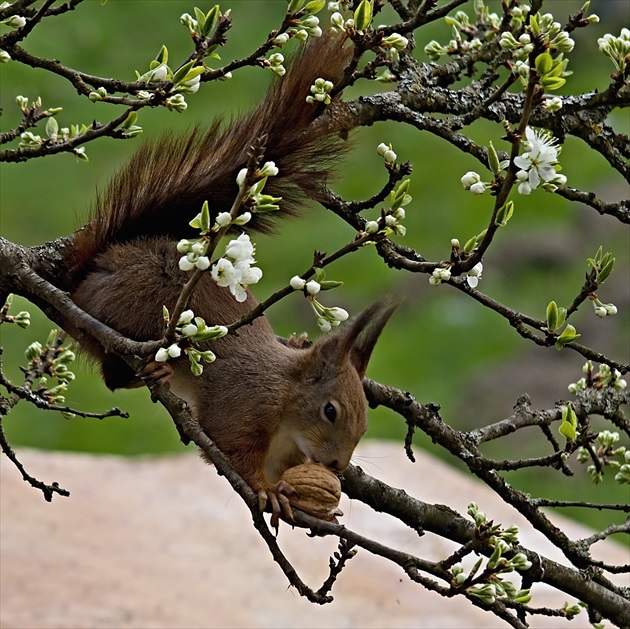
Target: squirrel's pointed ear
(361, 335)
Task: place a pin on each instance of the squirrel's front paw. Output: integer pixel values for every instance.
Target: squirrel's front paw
(155, 373)
(277, 497)
(298, 342)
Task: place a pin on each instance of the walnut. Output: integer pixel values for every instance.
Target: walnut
(318, 490)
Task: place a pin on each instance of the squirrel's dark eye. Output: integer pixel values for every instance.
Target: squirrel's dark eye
(330, 412)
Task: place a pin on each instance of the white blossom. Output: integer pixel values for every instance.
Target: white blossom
(474, 275)
(538, 160)
(269, 169)
(241, 249)
(224, 273)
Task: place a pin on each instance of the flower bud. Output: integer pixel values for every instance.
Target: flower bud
(323, 324)
(240, 178)
(313, 287)
(469, 179)
(338, 314)
(336, 19)
(223, 219)
(203, 263)
(185, 264)
(281, 39)
(297, 283)
(389, 156)
(15, 21)
(186, 317)
(244, 218)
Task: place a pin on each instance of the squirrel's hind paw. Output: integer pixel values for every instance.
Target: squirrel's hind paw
(277, 497)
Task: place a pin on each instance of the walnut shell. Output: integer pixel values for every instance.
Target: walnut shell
(318, 488)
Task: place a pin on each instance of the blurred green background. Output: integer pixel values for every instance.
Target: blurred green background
(444, 348)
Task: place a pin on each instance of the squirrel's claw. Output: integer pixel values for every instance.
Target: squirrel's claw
(277, 497)
(155, 373)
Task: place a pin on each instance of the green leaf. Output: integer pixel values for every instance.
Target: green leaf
(533, 24)
(200, 16)
(562, 315)
(569, 423)
(315, 6)
(294, 6)
(329, 284)
(551, 83)
(210, 20)
(52, 127)
(162, 56)
(568, 335)
(607, 268)
(493, 160)
(552, 316)
(204, 218)
(130, 120)
(182, 73)
(399, 196)
(504, 214)
(363, 15)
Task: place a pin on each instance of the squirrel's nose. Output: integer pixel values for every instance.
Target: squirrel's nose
(335, 466)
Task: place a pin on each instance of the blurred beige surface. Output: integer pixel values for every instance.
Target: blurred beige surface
(165, 543)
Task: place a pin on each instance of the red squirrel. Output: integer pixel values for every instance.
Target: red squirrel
(266, 404)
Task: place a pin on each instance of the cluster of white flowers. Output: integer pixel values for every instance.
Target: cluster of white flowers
(327, 318)
(538, 163)
(603, 310)
(386, 152)
(439, 275)
(604, 377)
(275, 61)
(472, 181)
(390, 222)
(320, 92)
(261, 202)
(235, 270)
(443, 274)
(616, 48)
(195, 330)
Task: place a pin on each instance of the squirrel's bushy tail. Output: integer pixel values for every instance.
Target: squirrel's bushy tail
(166, 182)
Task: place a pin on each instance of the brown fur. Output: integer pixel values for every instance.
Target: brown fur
(266, 404)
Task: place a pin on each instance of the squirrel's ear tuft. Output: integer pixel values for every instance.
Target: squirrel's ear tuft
(361, 335)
